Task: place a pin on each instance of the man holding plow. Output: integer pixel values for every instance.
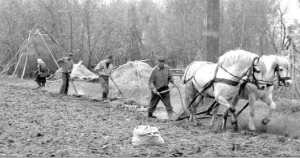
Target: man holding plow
(158, 82)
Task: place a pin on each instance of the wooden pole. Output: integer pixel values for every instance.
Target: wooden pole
(59, 46)
(20, 50)
(17, 64)
(25, 66)
(48, 49)
(26, 60)
(7, 68)
(22, 53)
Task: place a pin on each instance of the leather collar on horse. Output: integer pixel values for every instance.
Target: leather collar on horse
(251, 70)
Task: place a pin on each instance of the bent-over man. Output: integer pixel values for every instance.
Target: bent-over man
(105, 68)
(66, 64)
(158, 82)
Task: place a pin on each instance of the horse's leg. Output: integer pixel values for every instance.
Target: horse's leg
(189, 94)
(225, 115)
(231, 108)
(214, 116)
(186, 101)
(251, 112)
(224, 119)
(272, 105)
(194, 108)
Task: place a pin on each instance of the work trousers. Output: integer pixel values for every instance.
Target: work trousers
(104, 81)
(165, 97)
(40, 80)
(65, 85)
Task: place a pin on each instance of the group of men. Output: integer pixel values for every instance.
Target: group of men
(158, 82)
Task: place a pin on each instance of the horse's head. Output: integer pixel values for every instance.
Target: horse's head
(256, 74)
(283, 75)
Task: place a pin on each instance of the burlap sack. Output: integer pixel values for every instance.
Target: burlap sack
(146, 135)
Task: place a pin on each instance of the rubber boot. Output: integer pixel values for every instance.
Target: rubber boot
(104, 96)
(150, 115)
(170, 115)
(39, 85)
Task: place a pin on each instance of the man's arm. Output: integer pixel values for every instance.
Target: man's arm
(72, 66)
(60, 61)
(151, 82)
(170, 77)
(99, 66)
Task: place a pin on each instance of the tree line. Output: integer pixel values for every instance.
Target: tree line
(142, 29)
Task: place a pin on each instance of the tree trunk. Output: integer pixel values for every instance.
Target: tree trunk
(213, 30)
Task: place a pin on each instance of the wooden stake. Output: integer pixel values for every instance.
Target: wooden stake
(26, 60)
(25, 66)
(7, 68)
(17, 64)
(21, 48)
(48, 48)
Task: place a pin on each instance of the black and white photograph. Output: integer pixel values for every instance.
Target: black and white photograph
(149, 78)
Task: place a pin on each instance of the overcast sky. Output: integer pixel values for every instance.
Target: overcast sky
(293, 10)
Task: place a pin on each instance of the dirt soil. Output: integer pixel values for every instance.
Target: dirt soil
(34, 122)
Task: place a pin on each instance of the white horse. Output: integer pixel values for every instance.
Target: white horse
(277, 70)
(221, 81)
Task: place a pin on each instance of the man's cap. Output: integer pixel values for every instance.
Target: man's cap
(70, 54)
(161, 58)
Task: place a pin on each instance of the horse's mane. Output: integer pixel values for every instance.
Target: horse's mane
(234, 57)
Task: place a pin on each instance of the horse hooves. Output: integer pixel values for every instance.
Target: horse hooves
(265, 121)
(252, 128)
(235, 126)
(195, 124)
(223, 128)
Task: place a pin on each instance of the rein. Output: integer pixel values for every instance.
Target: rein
(280, 79)
(235, 83)
(209, 84)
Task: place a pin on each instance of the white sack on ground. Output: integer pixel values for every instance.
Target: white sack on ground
(146, 135)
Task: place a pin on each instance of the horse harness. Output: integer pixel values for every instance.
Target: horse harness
(280, 79)
(271, 83)
(227, 81)
(222, 80)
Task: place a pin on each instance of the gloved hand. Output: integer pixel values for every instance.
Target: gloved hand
(155, 91)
